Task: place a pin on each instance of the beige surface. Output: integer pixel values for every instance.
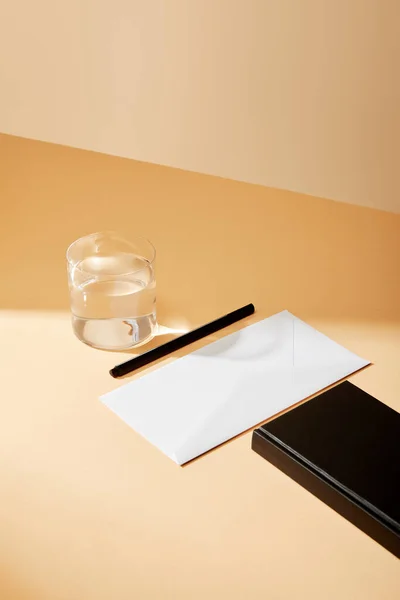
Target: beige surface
(294, 94)
(89, 510)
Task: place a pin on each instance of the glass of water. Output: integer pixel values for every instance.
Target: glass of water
(112, 290)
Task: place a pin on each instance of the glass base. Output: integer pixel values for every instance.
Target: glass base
(115, 334)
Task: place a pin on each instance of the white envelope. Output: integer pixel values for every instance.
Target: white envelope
(207, 397)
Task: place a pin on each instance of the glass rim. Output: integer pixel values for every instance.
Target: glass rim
(119, 236)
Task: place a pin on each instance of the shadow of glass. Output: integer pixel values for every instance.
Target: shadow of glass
(234, 347)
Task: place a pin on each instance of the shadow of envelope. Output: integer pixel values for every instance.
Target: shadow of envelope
(205, 398)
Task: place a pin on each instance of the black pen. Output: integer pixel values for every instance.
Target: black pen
(181, 341)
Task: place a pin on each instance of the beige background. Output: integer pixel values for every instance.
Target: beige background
(294, 94)
(89, 510)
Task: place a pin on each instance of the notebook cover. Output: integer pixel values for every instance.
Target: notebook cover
(344, 447)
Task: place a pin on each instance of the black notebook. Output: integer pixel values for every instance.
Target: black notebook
(344, 447)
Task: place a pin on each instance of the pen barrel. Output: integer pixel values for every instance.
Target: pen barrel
(182, 341)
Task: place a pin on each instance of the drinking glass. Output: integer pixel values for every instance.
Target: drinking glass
(112, 290)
